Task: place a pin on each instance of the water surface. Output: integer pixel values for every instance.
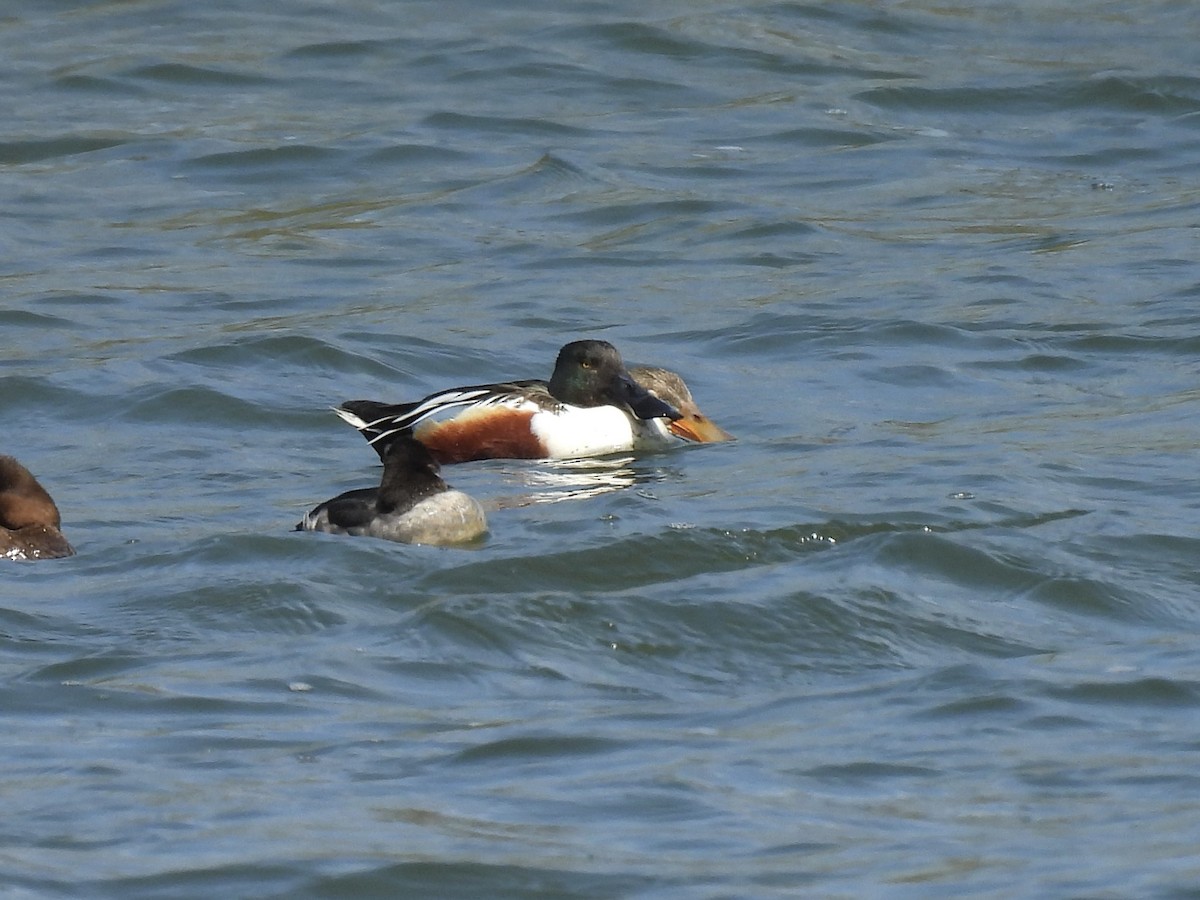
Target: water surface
(927, 629)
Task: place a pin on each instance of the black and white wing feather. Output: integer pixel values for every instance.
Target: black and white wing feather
(378, 422)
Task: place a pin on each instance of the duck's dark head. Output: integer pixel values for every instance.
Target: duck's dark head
(410, 473)
(592, 373)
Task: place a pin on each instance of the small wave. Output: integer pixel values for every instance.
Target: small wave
(18, 152)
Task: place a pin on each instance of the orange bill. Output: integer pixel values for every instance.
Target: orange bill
(699, 427)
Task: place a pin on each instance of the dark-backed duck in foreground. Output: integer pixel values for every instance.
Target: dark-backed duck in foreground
(412, 504)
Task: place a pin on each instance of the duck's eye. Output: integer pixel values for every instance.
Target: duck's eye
(588, 364)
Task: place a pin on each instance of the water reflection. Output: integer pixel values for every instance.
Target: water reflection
(552, 481)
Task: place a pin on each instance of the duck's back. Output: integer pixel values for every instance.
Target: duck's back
(448, 517)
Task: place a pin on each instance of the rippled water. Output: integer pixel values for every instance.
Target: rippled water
(927, 629)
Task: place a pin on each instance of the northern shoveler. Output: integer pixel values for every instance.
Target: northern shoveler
(590, 406)
(692, 424)
(412, 504)
(29, 520)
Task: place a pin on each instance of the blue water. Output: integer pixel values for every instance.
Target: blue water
(928, 628)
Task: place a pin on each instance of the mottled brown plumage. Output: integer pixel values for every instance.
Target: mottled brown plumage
(29, 520)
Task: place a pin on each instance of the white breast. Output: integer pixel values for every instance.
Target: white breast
(575, 431)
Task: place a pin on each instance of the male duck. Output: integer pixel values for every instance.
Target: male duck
(412, 504)
(29, 520)
(590, 406)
